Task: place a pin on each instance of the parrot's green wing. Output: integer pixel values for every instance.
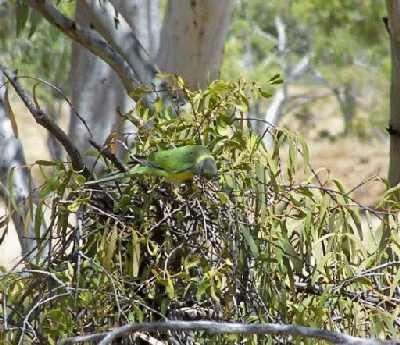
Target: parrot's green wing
(176, 165)
(148, 170)
(179, 159)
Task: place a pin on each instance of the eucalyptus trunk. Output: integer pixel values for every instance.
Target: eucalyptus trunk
(192, 39)
(393, 8)
(97, 92)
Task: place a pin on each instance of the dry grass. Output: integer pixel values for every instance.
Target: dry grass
(349, 159)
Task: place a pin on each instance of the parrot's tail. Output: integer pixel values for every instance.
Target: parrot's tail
(147, 170)
(139, 170)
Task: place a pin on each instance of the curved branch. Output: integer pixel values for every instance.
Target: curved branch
(116, 30)
(42, 119)
(213, 327)
(90, 40)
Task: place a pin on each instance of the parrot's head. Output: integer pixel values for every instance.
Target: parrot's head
(206, 167)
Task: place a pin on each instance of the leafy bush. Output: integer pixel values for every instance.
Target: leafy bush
(258, 245)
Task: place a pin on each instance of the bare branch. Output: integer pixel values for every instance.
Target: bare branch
(300, 68)
(291, 73)
(213, 327)
(90, 40)
(282, 37)
(106, 153)
(43, 120)
(114, 28)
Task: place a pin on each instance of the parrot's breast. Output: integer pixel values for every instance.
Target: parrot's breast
(180, 177)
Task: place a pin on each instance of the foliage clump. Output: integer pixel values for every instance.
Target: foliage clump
(258, 245)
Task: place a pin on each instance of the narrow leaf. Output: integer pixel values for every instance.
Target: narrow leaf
(110, 250)
(22, 14)
(135, 254)
(251, 243)
(34, 19)
(10, 113)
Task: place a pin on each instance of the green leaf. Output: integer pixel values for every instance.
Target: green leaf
(79, 179)
(152, 247)
(323, 210)
(38, 222)
(276, 79)
(135, 254)
(110, 248)
(139, 92)
(342, 190)
(362, 280)
(251, 243)
(50, 186)
(291, 255)
(357, 221)
(22, 14)
(47, 163)
(170, 288)
(265, 94)
(10, 113)
(34, 19)
(139, 315)
(306, 156)
(74, 206)
(202, 288)
(292, 160)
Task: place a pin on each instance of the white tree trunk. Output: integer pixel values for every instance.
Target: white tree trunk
(96, 90)
(291, 73)
(16, 184)
(192, 39)
(393, 8)
(144, 18)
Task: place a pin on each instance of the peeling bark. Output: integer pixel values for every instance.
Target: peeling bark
(393, 8)
(17, 183)
(192, 39)
(97, 91)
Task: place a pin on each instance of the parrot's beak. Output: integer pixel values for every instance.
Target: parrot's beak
(208, 168)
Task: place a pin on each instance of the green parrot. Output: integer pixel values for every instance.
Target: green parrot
(179, 164)
(176, 165)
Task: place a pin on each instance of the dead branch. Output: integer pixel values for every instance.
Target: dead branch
(45, 121)
(212, 327)
(106, 153)
(91, 40)
(117, 32)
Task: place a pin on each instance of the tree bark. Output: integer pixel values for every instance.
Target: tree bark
(393, 8)
(97, 91)
(196, 54)
(192, 39)
(16, 181)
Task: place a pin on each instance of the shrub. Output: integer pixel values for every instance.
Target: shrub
(257, 245)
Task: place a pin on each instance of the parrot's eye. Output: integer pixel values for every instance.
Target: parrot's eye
(207, 168)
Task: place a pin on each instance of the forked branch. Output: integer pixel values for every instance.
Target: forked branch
(45, 121)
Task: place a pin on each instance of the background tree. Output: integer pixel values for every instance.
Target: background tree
(191, 45)
(321, 49)
(393, 27)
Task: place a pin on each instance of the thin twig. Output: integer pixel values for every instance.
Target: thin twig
(42, 119)
(89, 39)
(37, 305)
(105, 152)
(61, 93)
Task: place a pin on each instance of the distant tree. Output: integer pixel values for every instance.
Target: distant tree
(393, 8)
(328, 44)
